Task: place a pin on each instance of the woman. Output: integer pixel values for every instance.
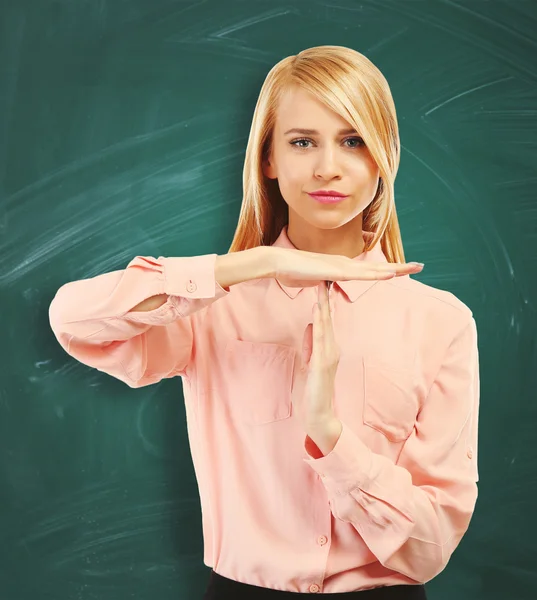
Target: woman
(333, 427)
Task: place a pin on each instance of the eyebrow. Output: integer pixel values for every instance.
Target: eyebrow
(315, 132)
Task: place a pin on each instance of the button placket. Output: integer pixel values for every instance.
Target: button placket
(314, 587)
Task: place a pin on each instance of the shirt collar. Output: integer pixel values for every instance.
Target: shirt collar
(353, 288)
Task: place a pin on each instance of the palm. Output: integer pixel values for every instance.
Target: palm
(314, 389)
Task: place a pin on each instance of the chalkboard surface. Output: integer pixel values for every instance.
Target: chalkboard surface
(123, 127)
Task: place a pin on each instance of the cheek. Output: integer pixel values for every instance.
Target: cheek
(365, 171)
(294, 174)
(363, 163)
(371, 166)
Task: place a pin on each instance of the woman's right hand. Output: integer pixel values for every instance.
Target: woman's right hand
(299, 268)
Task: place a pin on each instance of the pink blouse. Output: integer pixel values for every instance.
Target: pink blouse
(392, 500)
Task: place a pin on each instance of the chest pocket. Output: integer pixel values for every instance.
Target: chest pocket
(259, 377)
(389, 406)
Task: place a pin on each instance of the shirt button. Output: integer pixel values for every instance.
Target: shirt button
(314, 588)
(321, 540)
(191, 286)
(469, 453)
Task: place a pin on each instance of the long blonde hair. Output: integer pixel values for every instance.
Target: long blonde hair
(352, 86)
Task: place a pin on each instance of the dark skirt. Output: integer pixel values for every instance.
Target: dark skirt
(222, 588)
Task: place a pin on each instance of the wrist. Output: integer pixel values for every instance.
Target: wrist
(325, 435)
(322, 423)
(244, 265)
(267, 261)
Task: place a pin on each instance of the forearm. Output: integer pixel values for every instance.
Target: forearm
(150, 303)
(411, 529)
(229, 269)
(94, 322)
(325, 434)
(236, 267)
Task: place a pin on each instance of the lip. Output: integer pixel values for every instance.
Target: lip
(328, 197)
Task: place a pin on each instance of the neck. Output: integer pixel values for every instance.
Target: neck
(346, 240)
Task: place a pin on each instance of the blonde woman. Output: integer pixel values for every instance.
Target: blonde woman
(331, 399)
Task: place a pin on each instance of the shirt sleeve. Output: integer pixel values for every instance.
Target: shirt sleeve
(413, 514)
(91, 320)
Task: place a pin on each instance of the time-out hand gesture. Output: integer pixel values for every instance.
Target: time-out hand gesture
(299, 268)
(320, 358)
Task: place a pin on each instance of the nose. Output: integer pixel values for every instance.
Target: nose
(327, 166)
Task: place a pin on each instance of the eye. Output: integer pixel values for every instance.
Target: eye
(359, 141)
(296, 142)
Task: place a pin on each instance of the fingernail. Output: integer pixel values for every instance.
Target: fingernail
(417, 263)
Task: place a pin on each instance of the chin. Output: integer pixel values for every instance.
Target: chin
(332, 221)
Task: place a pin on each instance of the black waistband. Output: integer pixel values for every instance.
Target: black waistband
(222, 588)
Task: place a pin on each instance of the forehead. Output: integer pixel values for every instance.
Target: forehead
(298, 108)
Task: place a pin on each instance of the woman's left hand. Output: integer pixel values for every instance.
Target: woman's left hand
(320, 359)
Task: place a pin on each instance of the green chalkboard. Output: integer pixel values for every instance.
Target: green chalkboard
(123, 127)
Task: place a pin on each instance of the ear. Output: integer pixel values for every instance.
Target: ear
(268, 169)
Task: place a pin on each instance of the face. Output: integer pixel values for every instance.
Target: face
(329, 157)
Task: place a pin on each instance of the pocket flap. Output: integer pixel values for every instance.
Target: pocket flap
(390, 405)
(260, 376)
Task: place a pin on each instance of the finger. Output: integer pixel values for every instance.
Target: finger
(318, 325)
(398, 268)
(307, 345)
(387, 271)
(321, 295)
(318, 335)
(323, 298)
(327, 328)
(329, 299)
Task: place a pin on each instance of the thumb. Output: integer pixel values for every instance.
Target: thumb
(307, 346)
